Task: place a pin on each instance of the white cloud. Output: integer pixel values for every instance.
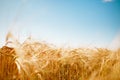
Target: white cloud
(107, 0)
(115, 44)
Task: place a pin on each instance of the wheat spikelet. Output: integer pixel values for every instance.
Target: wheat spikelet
(34, 60)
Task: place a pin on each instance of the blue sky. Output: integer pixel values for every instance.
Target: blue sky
(69, 22)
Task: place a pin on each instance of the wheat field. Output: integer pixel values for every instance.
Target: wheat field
(34, 60)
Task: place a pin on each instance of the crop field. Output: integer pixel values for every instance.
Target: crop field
(34, 60)
(59, 39)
